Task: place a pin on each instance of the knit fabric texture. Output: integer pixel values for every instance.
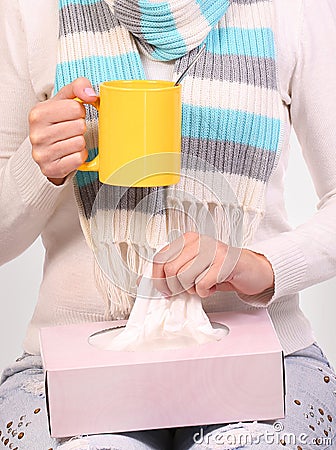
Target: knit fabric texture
(231, 127)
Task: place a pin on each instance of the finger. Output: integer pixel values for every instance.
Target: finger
(206, 282)
(62, 167)
(59, 132)
(174, 263)
(229, 263)
(170, 251)
(81, 88)
(49, 112)
(175, 273)
(58, 151)
(177, 270)
(67, 110)
(192, 290)
(159, 277)
(187, 283)
(174, 286)
(66, 130)
(166, 254)
(203, 256)
(198, 256)
(67, 147)
(189, 286)
(168, 262)
(172, 257)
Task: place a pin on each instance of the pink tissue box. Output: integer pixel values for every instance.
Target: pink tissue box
(91, 391)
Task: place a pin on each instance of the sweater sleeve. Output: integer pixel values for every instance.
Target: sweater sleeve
(307, 255)
(27, 198)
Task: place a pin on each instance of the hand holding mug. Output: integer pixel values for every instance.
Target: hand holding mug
(56, 130)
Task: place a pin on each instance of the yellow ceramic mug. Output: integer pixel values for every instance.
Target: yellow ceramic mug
(139, 133)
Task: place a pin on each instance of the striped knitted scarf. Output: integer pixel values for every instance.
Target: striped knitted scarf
(230, 124)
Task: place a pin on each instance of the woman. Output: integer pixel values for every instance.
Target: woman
(258, 94)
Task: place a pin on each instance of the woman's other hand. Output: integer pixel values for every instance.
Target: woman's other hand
(200, 264)
(56, 130)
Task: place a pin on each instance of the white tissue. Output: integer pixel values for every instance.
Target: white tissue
(157, 322)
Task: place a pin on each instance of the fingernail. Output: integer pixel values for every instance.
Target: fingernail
(90, 92)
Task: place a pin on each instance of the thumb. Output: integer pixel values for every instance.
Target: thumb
(81, 88)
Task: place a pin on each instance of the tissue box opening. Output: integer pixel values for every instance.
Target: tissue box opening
(91, 391)
(102, 338)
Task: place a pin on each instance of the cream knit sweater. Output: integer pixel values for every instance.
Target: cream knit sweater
(30, 205)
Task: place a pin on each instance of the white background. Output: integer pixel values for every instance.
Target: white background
(19, 279)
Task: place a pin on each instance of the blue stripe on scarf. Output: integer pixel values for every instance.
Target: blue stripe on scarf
(210, 10)
(100, 68)
(231, 126)
(168, 55)
(86, 178)
(171, 43)
(257, 42)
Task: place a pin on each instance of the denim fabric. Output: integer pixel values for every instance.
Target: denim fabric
(309, 423)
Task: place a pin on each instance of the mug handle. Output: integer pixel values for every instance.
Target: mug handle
(91, 166)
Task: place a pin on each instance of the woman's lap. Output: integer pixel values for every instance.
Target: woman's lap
(309, 423)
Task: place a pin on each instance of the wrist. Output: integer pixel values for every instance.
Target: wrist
(267, 271)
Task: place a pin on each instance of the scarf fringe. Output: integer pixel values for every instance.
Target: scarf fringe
(119, 263)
